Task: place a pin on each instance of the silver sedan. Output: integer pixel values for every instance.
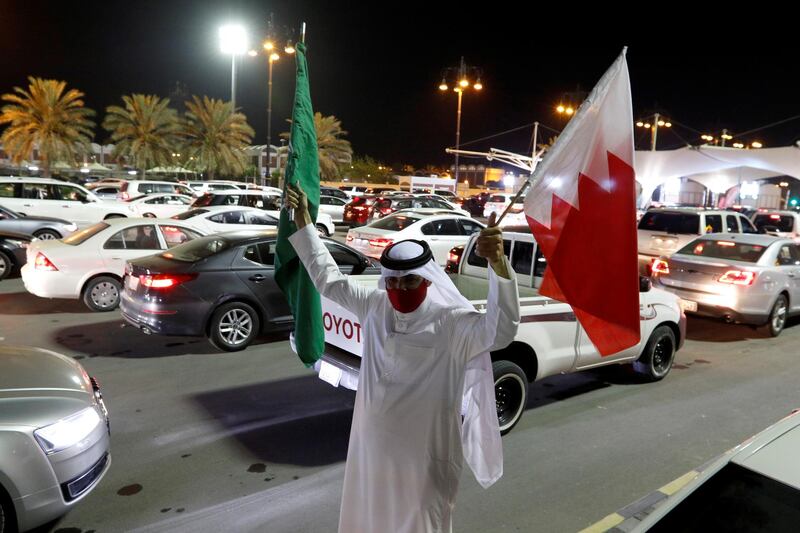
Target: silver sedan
(54, 443)
(744, 278)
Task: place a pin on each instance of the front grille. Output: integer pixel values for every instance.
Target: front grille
(76, 487)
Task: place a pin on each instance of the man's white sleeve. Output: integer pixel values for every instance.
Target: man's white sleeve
(324, 273)
(476, 333)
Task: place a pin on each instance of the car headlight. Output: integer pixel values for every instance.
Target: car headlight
(67, 431)
(71, 227)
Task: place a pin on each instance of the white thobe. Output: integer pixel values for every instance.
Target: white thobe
(405, 455)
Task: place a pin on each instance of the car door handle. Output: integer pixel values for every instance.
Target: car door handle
(258, 278)
(116, 258)
(27, 205)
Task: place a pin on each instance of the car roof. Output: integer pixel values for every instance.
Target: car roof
(252, 192)
(217, 208)
(745, 238)
(772, 452)
(132, 221)
(777, 212)
(430, 211)
(32, 179)
(698, 210)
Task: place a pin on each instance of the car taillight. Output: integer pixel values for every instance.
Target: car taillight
(349, 237)
(385, 210)
(660, 267)
(165, 281)
(738, 277)
(360, 208)
(380, 243)
(43, 263)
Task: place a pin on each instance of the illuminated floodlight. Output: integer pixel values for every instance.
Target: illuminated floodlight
(233, 39)
(749, 189)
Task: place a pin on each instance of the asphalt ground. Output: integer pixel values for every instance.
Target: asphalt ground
(253, 441)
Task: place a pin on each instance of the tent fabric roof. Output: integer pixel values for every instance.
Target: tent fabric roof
(717, 168)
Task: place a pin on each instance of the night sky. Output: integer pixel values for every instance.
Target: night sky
(378, 69)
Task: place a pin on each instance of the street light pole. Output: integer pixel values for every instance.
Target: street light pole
(458, 128)
(233, 81)
(655, 133)
(269, 119)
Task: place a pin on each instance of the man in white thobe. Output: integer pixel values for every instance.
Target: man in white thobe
(405, 453)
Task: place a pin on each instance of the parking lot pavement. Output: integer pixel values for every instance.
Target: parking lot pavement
(253, 441)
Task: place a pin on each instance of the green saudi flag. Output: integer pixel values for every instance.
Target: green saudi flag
(302, 169)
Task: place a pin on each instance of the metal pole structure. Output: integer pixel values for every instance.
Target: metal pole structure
(233, 81)
(724, 135)
(269, 124)
(655, 133)
(458, 128)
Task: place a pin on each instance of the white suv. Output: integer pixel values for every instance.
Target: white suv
(45, 197)
(783, 223)
(664, 231)
(133, 188)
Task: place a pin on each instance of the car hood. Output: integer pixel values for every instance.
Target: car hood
(47, 219)
(24, 370)
(15, 235)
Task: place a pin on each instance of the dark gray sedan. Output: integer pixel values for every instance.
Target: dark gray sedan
(221, 286)
(40, 227)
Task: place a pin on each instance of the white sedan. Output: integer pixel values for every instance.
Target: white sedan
(222, 218)
(332, 206)
(90, 264)
(442, 230)
(159, 205)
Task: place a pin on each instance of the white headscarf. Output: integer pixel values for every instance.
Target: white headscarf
(480, 430)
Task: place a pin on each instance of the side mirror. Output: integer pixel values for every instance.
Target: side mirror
(645, 284)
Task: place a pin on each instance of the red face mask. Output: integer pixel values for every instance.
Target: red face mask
(407, 300)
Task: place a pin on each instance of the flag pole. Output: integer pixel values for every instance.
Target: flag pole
(519, 193)
(285, 185)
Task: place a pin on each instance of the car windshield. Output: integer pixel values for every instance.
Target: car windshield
(85, 234)
(394, 223)
(8, 213)
(203, 201)
(678, 223)
(732, 251)
(735, 499)
(189, 214)
(197, 249)
(784, 223)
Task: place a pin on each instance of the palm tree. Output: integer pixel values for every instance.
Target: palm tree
(215, 137)
(334, 151)
(46, 117)
(145, 131)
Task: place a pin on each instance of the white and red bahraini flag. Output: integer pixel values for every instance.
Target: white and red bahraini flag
(582, 211)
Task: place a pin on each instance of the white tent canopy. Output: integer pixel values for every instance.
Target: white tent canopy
(716, 168)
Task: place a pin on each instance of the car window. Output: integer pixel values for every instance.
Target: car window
(156, 200)
(229, 217)
(747, 226)
(36, 191)
(174, 235)
(713, 224)
(497, 198)
(446, 226)
(734, 251)
(343, 256)
(475, 260)
(522, 257)
(787, 256)
(783, 223)
(735, 499)
(267, 252)
(396, 223)
(468, 227)
(6, 190)
(325, 201)
(197, 249)
(540, 265)
(134, 238)
(677, 223)
(261, 219)
(730, 224)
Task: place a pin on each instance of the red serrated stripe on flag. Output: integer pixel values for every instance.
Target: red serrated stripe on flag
(592, 258)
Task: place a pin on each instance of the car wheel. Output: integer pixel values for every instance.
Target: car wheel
(7, 514)
(47, 234)
(109, 217)
(777, 317)
(5, 265)
(234, 326)
(659, 353)
(102, 293)
(322, 230)
(511, 393)
(149, 215)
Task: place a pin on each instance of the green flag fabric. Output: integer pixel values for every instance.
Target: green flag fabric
(302, 169)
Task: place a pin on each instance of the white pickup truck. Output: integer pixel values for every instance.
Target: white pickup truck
(549, 341)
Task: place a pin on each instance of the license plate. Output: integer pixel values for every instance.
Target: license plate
(330, 373)
(688, 305)
(132, 282)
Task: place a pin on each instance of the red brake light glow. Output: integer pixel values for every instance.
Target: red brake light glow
(165, 281)
(380, 243)
(726, 243)
(775, 217)
(738, 277)
(43, 263)
(660, 267)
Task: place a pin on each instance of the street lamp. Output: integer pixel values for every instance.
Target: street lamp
(233, 41)
(461, 76)
(658, 122)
